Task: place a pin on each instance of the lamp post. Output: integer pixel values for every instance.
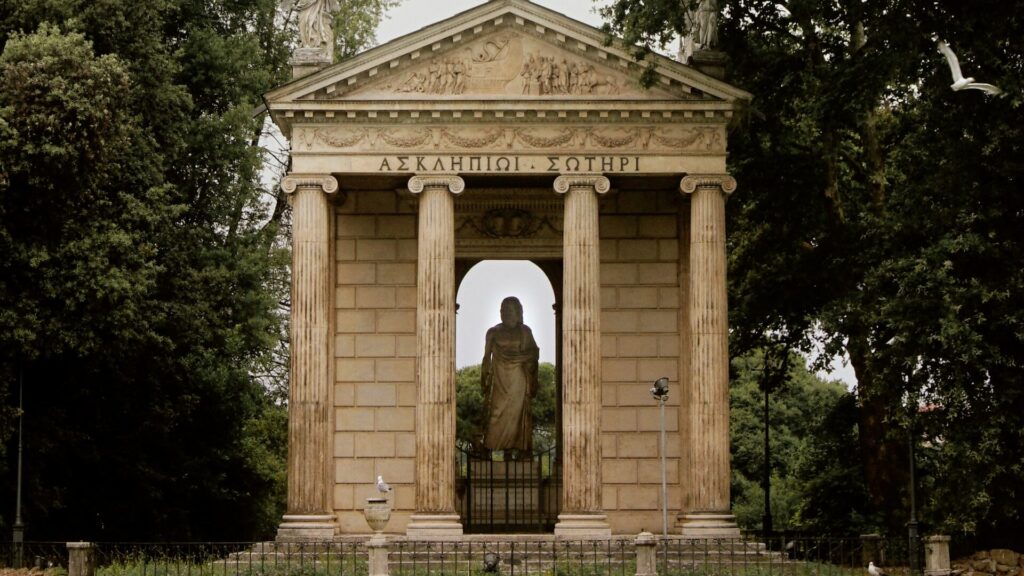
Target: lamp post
(660, 393)
(767, 520)
(19, 526)
(912, 524)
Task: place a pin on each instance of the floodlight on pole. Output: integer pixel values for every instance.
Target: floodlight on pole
(660, 393)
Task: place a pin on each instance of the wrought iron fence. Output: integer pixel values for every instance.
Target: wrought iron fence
(508, 496)
(517, 555)
(606, 557)
(38, 555)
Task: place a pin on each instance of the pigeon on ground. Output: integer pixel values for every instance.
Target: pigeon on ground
(959, 82)
(875, 570)
(382, 486)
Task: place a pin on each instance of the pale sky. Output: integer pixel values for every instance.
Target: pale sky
(479, 299)
(411, 15)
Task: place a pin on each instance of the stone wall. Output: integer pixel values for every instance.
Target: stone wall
(998, 562)
(375, 346)
(375, 355)
(640, 299)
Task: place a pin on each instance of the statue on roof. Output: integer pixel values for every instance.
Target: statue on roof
(702, 19)
(315, 22)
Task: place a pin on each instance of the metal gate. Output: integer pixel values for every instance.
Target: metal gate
(494, 495)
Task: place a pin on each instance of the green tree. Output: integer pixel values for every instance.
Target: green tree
(878, 214)
(140, 292)
(799, 408)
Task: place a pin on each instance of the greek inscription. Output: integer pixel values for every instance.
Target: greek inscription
(555, 164)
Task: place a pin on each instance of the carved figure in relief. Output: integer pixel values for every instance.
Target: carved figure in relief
(459, 69)
(527, 73)
(508, 377)
(315, 18)
(543, 75)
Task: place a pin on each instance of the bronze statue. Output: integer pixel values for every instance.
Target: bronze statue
(508, 375)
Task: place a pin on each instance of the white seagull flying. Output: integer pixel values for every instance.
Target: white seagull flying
(875, 570)
(959, 82)
(382, 486)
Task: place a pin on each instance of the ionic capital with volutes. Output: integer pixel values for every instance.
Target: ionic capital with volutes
(597, 182)
(454, 183)
(723, 182)
(325, 182)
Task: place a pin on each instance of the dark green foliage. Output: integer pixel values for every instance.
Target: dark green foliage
(814, 453)
(879, 214)
(141, 277)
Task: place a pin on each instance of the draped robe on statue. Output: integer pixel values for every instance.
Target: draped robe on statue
(510, 369)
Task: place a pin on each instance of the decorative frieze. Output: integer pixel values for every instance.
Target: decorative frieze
(647, 139)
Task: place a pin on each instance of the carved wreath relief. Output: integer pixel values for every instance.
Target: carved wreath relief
(697, 139)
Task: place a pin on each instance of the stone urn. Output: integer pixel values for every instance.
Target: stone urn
(377, 513)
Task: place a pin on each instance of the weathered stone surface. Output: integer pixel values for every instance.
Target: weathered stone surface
(1005, 557)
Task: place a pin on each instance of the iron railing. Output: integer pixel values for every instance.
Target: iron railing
(479, 555)
(497, 496)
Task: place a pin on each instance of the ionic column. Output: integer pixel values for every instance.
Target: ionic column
(309, 515)
(707, 407)
(435, 355)
(581, 514)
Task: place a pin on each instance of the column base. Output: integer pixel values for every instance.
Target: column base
(708, 525)
(583, 526)
(433, 526)
(307, 527)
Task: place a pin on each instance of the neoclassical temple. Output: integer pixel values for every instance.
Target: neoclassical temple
(508, 131)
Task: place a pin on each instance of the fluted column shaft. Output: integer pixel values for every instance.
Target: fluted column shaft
(309, 388)
(581, 347)
(708, 405)
(435, 345)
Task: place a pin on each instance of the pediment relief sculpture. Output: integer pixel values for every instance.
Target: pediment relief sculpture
(507, 64)
(653, 139)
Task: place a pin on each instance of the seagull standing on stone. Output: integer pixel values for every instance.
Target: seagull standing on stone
(875, 570)
(959, 82)
(382, 486)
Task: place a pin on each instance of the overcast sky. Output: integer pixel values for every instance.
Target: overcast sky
(411, 15)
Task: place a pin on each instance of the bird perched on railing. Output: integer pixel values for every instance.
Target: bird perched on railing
(382, 486)
(959, 82)
(875, 570)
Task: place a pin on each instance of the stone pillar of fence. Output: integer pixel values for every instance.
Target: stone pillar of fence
(646, 556)
(870, 548)
(378, 551)
(936, 555)
(81, 559)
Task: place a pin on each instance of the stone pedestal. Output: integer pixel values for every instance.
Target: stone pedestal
(435, 354)
(309, 514)
(936, 556)
(711, 62)
(707, 404)
(81, 559)
(305, 61)
(646, 554)
(581, 515)
(377, 550)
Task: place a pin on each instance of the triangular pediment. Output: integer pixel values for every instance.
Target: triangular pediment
(503, 50)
